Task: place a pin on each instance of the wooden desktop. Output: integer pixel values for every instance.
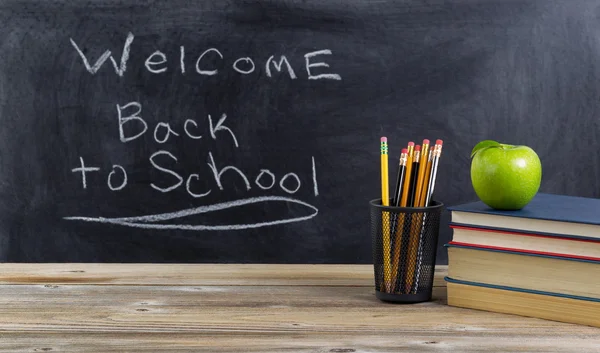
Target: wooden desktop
(249, 308)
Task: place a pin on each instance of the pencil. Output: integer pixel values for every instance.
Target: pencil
(409, 164)
(436, 154)
(401, 172)
(416, 220)
(418, 226)
(422, 168)
(402, 231)
(385, 201)
(385, 194)
(424, 189)
(398, 222)
(399, 242)
(414, 175)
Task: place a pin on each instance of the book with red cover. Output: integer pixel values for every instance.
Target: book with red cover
(527, 242)
(525, 251)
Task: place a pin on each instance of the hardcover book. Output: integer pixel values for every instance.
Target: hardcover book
(517, 301)
(526, 270)
(548, 214)
(540, 243)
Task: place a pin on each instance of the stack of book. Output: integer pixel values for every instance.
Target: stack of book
(542, 261)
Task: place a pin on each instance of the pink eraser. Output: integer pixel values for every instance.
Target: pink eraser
(404, 150)
(384, 139)
(439, 142)
(426, 142)
(417, 147)
(411, 144)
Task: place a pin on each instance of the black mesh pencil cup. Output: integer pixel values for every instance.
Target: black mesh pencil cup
(404, 250)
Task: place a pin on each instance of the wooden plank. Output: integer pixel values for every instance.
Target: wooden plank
(92, 318)
(242, 308)
(293, 342)
(193, 274)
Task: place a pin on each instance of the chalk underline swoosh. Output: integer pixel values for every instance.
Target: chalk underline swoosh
(150, 221)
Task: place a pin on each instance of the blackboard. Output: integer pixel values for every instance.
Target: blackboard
(248, 131)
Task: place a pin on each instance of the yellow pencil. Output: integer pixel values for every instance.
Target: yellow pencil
(385, 191)
(434, 158)
(385, 201)
(416, 228)
(416, 220)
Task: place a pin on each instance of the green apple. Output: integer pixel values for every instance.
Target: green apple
(505, 177)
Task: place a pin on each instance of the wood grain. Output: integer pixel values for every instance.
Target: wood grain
(249, 308)
(187, 274)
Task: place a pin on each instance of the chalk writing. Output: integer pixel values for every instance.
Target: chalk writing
(153, 221)
(167, 133)
(83, 169)
(249, 63)
(123, 183)
(219, 127)
(157, 62)
(314, 177)
(182, 59)
(263, 172)
(119, 69)
(168, 171)
(285, 177)
(189, 191)
(187, 132)
(132, 125)
(134, 117)
(204, 72)
(150, 63)
(163, 130)
(160, 160)
(218, 173)
(278, 66)
(308, 56)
